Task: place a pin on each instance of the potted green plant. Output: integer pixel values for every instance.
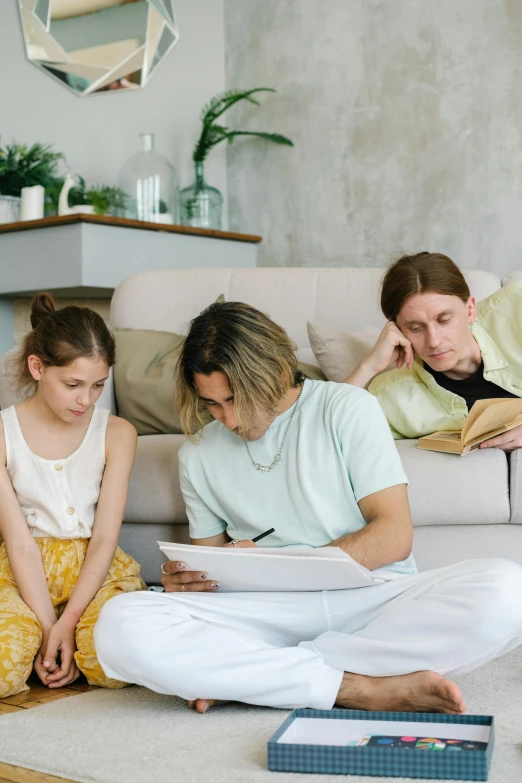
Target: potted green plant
(22, 166)
(200, 203)
(104, 199)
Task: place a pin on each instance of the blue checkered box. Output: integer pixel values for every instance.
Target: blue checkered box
(323, 741)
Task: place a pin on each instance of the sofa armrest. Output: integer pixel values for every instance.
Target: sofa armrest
(515, 486)
(9, 394)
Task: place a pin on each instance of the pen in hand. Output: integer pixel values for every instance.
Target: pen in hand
(262, 535)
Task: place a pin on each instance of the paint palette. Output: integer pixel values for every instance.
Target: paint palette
(420, 743)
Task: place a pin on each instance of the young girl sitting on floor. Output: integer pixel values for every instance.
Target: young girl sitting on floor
(64, 473)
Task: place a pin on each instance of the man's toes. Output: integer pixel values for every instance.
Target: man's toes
(451, 693)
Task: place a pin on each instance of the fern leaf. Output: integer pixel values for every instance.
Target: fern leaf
(222, 102)
(212, 134)
(277, 138)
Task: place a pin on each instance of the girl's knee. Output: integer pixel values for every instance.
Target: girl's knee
(20, 640)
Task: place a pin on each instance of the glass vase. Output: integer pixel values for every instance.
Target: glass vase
(200, 203)
(150, 185)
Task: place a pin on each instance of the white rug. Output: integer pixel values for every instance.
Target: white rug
(135, 736)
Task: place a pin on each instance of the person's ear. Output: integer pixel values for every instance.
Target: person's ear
(36, 367)
(471, 308)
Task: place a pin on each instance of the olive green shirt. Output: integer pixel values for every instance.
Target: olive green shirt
(415, 404)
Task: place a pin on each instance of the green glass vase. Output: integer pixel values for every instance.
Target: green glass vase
(201, 204)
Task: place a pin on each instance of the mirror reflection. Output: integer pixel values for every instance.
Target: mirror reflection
(98, 45)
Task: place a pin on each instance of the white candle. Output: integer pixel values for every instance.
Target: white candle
(32, 207)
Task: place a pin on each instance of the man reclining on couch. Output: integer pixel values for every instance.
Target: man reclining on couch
(449, 351)
(317, 462)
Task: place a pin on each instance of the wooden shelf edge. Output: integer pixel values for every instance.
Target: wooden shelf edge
(12, 774)
(109, 220)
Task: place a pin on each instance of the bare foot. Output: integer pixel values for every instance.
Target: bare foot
(417, 692)
(202, 705)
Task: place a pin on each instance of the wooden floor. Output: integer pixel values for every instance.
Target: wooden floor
(35, 697)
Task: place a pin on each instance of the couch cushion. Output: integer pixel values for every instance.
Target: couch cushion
(144, 379)
(444, 489)
(449, 490)
(337, 352)
(154, 491)
(347, 298)
(435, 546)
(140, 542)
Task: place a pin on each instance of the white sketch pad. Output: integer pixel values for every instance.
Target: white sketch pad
(267, 569)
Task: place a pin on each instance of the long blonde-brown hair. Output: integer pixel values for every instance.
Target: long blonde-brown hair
(254, 353)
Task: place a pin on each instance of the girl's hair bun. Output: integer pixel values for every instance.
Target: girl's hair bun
(41, 306)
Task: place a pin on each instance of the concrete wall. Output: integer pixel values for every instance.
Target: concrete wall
(99, 133)
(407, 120)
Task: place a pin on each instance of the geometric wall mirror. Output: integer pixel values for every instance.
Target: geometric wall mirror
(93, 46)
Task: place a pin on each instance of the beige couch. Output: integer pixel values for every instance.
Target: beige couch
(462, 507)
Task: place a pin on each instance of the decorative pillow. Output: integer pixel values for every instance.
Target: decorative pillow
(338, 353)
(144, 378)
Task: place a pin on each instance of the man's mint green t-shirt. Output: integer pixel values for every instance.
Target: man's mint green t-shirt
(339, 449)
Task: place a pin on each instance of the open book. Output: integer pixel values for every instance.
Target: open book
(486, 419)
(285, 569)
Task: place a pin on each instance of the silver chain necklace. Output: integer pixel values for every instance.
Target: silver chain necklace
(268, 468)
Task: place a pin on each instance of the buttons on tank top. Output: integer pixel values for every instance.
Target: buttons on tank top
(58, 466)
(69, 510)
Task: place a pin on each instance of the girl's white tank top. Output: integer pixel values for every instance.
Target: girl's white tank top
(58, 497)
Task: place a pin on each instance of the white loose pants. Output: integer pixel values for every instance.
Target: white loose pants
(290, 649)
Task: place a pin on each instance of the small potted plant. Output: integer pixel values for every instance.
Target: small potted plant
(20, 167)
(99, 199)
(200, 203)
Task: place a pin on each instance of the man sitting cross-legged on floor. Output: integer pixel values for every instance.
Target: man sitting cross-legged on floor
(332, 476)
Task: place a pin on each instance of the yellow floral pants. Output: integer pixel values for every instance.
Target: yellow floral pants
(20, 631)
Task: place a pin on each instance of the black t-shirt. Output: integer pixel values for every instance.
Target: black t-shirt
(474, 387)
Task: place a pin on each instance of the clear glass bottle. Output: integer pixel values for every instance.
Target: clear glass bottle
(200, 203)
(151, 185)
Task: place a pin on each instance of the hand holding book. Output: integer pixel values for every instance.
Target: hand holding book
(487, 420)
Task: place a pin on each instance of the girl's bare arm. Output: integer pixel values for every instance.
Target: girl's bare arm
(22, 551)
(121, 441)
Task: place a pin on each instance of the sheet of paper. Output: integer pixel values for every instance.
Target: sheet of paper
(266, 569)
(327, 731)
